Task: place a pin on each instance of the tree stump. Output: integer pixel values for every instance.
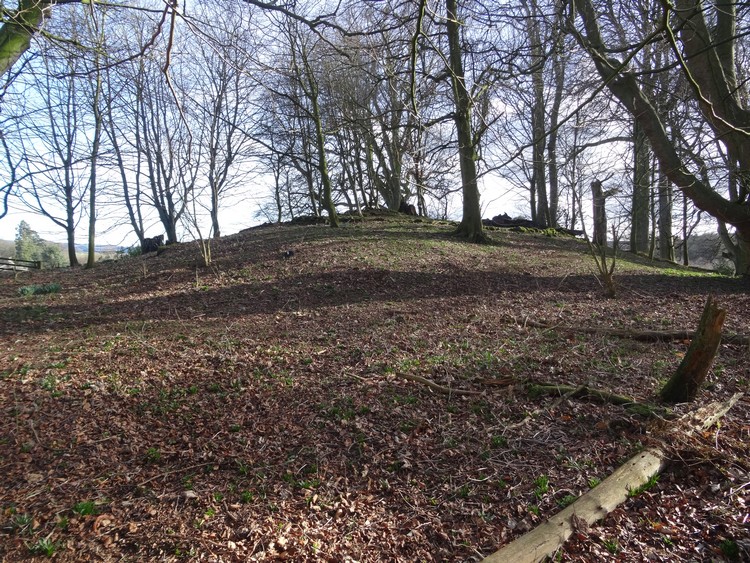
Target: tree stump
(692, 372)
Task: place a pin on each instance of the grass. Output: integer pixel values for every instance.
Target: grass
(645, 487)
(153, 455)
(44, 546)
(567, 500)
(498, 442)
(85, 508)
(22, 523)
(541, 486)
(730, 549)
(611, 546)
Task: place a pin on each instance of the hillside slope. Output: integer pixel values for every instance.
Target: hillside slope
(257, 409)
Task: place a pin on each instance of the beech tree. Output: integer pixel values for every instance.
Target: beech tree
(703, 38)
(471, 220)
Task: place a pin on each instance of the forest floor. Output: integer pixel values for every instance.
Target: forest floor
(257, 409)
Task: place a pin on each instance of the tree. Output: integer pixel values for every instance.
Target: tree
(471, 221)
(30, 246)
(221, 95)
(301, 82)
(52, 133)
(703, 38)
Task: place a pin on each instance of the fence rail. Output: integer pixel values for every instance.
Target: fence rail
(19, 265)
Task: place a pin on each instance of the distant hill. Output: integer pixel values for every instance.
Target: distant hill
(8, 247)
(103, 248)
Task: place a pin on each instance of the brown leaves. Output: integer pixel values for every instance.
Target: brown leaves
(256, 413)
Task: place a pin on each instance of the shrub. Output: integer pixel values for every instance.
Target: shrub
(39, 289)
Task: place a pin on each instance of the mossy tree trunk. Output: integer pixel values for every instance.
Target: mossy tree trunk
(690, 375)
(17, 30)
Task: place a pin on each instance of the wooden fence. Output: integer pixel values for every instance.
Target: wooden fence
(15, 265)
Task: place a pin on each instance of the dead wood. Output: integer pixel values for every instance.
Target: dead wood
(640, 335)
(547, 538)
(584, 391)
(684, 385)
(536, 412)
(578, 392)
(436, 387)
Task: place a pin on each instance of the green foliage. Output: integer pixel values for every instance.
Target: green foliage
(464, 491)
(541, 486)
(498, 441)
(645, 487)
(130, 252)
(612, 546)
(153, 455)
(43, 546)
(730, 549)
(43, 289)
(22, 523)
(567, 500)
(30, 246)
(85, 508)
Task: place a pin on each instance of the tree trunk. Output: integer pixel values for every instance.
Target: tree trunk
(471, 223)
(639, 211)
(600, 215)
(554, 187)
(690, 375)
(17, 30)
(666, 242)
(325, 177)
(98, 121)
(685, 249)
(538, 116)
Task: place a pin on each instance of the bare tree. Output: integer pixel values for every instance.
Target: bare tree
(703, 39)
(59, 157)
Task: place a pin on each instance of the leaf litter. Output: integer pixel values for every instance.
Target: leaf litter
(257, 410)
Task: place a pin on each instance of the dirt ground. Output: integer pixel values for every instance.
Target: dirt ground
(257, 409)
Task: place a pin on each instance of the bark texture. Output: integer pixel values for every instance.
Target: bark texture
(690, 375)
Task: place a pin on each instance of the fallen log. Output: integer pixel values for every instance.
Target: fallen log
(584, 391)
(640, 335)
(547, 538)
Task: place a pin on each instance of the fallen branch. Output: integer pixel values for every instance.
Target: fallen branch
(171, 471)
(584, 391)
(435, 387)
(536, 389)
(640, 335)
(536, 412)
(547, 538)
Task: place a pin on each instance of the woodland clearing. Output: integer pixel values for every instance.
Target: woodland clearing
(272, 406)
